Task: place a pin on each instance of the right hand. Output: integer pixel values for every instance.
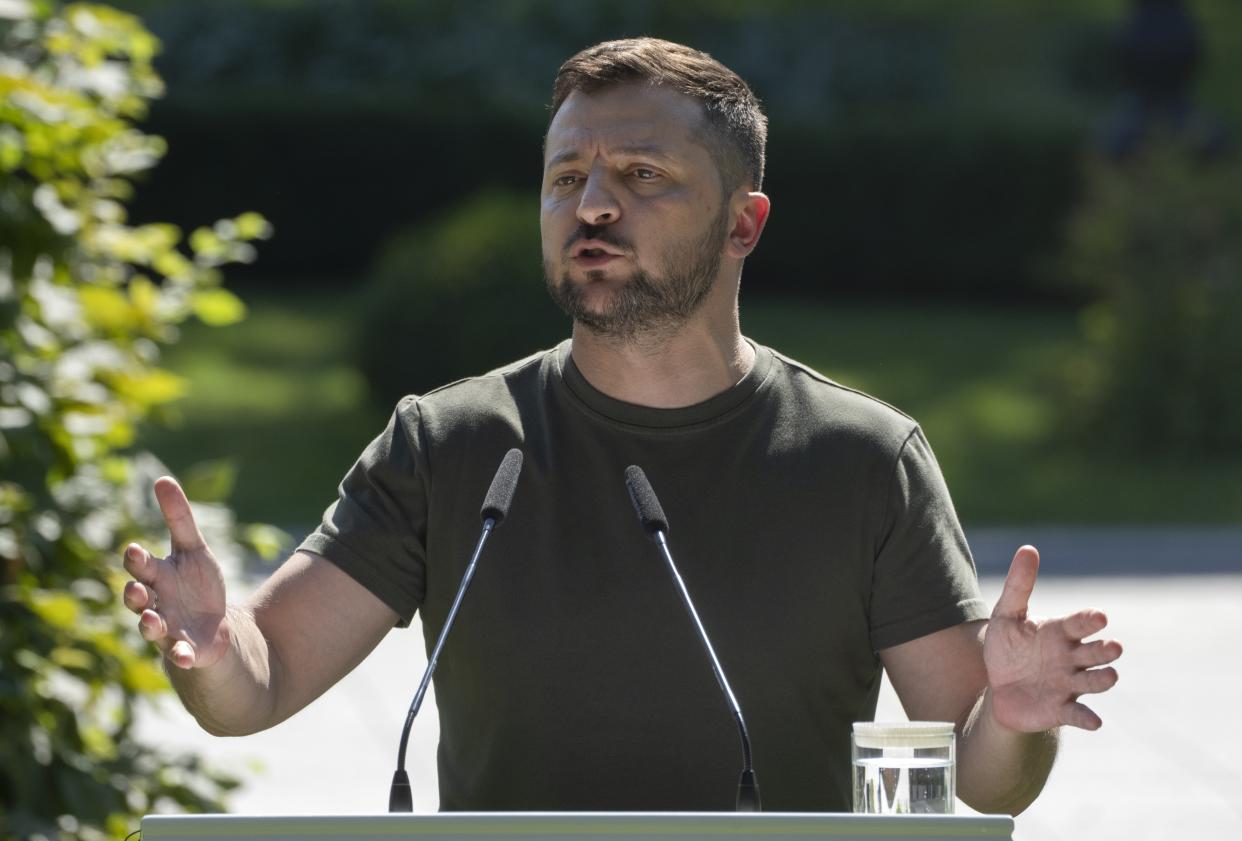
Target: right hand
(179, 599)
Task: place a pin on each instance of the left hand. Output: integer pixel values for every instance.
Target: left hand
(1037, 668)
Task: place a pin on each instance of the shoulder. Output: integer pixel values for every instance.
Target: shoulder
(828, 408)
(473, 402)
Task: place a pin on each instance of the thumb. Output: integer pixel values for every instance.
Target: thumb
(182, 655)
(1015, 597)
(178, 514)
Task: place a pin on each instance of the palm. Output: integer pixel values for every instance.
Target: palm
(180, 598)
(192, 603)
(1037, 669)
(1022, 659)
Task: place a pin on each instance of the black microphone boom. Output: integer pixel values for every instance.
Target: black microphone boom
(651, 515)
(495, 509)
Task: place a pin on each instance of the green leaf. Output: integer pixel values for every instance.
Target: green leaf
(98, 743)
(173, 264)
(71, 658)
(142, 676)
(106, 308)
(116, 470)
(210, 481)
(10, 148)
(151, 387)
(217, 307)
(252, 226)
(206, 243)
(60, 610)
(145, 296)
(268, 541)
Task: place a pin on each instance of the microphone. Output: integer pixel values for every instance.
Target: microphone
(653, 521)
(495, 509)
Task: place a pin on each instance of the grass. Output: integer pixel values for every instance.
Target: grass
(277, 394)
(984, 385)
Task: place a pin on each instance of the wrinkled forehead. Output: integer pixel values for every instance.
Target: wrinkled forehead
(624, 117)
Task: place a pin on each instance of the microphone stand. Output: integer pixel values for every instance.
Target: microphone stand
(400, 798)
(651, 516)
(495, 509)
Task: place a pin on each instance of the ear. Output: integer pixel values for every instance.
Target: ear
(750, 214)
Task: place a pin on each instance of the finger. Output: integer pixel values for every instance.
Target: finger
(177, 514)
(1075, 714)
(137, 596)
(1095, 680)
(1084, 623)
(1015, 597)
(152, 626)
(1097, 653)
(140, 563)
(182, 655)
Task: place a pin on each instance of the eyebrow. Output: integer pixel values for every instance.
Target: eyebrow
(649, 151)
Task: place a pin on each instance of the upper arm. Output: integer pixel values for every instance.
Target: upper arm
(318, 623)
(940, 676)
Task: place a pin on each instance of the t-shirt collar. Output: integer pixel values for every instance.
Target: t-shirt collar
(646, 416)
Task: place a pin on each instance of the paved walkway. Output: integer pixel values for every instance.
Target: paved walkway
(1166, 764)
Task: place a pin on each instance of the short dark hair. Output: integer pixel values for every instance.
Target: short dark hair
(738, 128)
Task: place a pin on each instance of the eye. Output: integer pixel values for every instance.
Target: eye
(644, 174)
(565, 181)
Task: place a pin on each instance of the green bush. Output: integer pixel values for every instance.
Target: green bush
(457, 298)
(916, 208)
(86, 301)
(1159, 241)
(926, 149)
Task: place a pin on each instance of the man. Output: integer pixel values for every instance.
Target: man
(810, 521)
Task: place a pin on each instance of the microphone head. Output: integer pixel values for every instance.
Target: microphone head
(504, 485)
(650, 514)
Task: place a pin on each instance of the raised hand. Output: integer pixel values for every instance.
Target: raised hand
(179, 599)
(1038, 668)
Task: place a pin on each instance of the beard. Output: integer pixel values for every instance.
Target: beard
(643, 304)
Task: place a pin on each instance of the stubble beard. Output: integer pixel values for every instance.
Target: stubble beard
(642, 305)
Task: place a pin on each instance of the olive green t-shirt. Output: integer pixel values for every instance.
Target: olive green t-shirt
(810, 523)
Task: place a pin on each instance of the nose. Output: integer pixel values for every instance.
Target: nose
(597, 205)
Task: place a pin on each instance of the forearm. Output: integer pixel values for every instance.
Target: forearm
(236, 695)
(999, 770)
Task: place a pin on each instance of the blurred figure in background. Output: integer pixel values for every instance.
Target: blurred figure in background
(1161, 52)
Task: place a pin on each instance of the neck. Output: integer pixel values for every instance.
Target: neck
(670, 369)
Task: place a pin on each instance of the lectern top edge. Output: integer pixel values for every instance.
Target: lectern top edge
(593, 826)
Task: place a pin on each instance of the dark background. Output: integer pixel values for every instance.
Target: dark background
(924, 149)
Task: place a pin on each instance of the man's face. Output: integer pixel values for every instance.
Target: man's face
(633, 215)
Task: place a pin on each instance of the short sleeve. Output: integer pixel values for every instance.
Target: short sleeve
(924, 578)
(376, 530)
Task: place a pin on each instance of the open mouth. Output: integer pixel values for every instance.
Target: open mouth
(594, 251)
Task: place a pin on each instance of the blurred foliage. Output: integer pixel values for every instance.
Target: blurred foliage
(86, 301)
(438, 55)
(1159, 241)
(985, 385)
(457, 298)
(983, 381)
(303, 411)
(923, 147)
(909, 122)
(916, 208)
(893, 122)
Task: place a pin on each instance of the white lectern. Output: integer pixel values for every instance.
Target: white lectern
(566, 826)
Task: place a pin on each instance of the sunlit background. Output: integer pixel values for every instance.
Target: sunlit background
(1019, 221)
(962, 219)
